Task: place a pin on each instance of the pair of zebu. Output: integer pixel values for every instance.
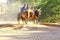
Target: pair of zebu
(29, 15)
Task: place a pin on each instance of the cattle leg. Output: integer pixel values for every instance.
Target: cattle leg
(26, 21)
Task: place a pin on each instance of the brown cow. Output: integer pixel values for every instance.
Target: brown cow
(26, 16)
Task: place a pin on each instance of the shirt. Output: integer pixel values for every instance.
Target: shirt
(23, 8)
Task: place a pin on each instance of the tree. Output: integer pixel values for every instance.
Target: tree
(50, 10)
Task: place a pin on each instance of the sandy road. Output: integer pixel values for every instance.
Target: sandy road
(30, 33)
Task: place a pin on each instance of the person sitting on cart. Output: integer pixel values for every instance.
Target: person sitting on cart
(23, 8)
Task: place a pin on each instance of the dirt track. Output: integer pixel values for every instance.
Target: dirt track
(29, 33)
